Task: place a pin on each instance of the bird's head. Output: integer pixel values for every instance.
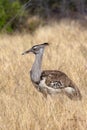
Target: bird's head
(36, 49)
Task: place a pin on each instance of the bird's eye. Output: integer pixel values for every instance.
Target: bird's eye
(34, 48)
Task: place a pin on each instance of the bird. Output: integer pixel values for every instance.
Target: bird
(50, 82)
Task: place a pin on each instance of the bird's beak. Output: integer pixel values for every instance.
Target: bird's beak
(26, 52)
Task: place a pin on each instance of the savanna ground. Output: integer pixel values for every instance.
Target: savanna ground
(22, 107)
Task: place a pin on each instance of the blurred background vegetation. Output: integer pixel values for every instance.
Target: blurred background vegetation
(20, 15)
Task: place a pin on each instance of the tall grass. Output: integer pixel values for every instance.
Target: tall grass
(22, 107)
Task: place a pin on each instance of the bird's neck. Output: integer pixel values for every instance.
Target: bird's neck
(36, 68)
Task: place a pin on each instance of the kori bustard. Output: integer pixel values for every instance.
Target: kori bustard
(50, 81)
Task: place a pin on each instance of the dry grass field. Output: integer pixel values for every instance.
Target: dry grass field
(22, 107)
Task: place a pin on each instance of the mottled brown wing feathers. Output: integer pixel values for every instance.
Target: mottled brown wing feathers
(55, 76)
(59, 80)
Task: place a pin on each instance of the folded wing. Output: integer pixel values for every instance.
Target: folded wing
(57, 81)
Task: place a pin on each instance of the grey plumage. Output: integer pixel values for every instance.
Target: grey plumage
(51, 81)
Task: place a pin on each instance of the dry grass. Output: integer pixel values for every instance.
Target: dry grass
(22, 107)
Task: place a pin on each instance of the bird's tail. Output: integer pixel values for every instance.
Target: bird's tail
(73, 92)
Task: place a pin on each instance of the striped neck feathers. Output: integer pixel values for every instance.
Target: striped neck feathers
(35, 72)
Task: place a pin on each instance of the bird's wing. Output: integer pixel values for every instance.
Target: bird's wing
(55, 79)
(59, 80)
